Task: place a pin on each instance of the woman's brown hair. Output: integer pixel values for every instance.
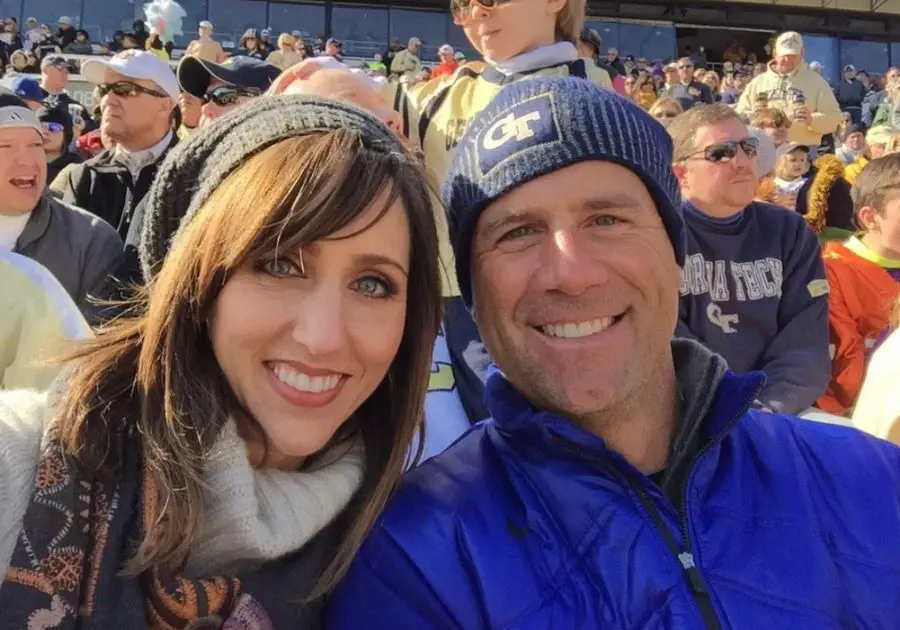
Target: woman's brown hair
(155, 370)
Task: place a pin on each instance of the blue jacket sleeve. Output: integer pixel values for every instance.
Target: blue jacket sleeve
(384, 589)
(870, 106)
(796, 363)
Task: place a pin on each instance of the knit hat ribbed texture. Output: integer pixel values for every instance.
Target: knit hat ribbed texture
(199, 165)
(537, 126)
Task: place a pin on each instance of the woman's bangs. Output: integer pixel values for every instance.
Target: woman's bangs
(330, 190)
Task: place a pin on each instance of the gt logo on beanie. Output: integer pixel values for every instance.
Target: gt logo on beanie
(526, 126)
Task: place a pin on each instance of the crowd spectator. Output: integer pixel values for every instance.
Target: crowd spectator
(34, 34)
(29, 90)
(76, 246)
(334, 48)
(613, 60)
(764, 306)
(58, 140)
(54, 81)
(38, 322)
(206, 47)
(864, 275)
(140, 94)
(155, 46)
(406, 62)
(853, 143)
(66, 33)
(286, 55)
(139, 34)
(803, 95)
(665, 109)
(685, 89)
(875, 98)
(878, 139)
(81, 45)
(448, 63)
(850, 93)
(265, 41)
(226, 86)
(251, 45)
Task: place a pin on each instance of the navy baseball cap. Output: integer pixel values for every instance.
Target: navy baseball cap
(195, 74)
(27, 89)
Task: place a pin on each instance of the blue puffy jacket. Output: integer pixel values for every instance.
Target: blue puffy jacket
(529, 522)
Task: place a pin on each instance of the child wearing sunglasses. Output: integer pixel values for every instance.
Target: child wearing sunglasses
(58, 133)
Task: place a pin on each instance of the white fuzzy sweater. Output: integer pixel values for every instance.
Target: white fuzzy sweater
(250, 515)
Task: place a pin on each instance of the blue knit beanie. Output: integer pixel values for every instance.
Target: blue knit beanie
(537, 126)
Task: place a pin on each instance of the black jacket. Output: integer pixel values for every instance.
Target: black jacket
(57, 165)
(106, 188)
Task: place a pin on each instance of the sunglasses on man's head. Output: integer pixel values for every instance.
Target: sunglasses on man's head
(126, 89)
(722, 152)
(460, 8)
(52, 127)
(226, 95)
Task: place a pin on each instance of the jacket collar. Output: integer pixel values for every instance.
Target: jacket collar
(37, 224)
(713, 400)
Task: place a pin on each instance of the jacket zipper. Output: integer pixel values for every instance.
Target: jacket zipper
(681, 552)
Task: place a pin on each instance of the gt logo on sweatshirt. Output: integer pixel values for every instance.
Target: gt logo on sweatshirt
(723, 321)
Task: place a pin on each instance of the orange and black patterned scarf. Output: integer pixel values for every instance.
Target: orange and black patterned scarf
(77, 533)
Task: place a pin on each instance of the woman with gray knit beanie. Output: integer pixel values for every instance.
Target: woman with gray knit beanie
(215, 457)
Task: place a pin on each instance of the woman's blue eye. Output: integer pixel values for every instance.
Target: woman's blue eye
(280, 267)
(374, 287)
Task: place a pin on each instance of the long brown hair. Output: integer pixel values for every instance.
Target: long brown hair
(156, 371)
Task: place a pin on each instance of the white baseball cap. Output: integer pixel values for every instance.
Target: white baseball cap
(205, 24)
(446, 49)
(789, 43)
(136, 64)
(65, 20)
(816, 65)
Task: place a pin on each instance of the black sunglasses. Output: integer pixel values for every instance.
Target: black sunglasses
(226, 95)
(460, 8)
(126, 89)
(722, 152)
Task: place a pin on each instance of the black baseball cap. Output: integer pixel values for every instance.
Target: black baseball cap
(195, 74)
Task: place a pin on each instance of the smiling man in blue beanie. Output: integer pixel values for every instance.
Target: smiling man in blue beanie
(623, 480)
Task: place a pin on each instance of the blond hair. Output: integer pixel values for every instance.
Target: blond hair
(570, 21)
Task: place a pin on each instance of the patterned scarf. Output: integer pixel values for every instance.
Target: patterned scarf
(79, 530)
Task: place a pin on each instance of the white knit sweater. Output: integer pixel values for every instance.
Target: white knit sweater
(250, 515)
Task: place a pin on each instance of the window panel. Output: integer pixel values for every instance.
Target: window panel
(13, 8)
(363, 30)
(609, 33)
(103, 18)
(648, 41)
(231, 18)
(429, 26)
(869, 56)
(823, 49)
(196, 13)
(49, 11)
(309, 19)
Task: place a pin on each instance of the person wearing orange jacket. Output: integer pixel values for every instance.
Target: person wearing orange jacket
(448, 64)
(864, 277)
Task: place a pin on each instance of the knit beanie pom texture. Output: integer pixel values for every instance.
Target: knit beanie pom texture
(195, 168)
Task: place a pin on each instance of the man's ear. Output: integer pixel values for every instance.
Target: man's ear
(865, 218)
(680, 171)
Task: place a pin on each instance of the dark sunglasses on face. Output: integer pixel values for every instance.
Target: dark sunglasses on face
(226, 95)
(52, 127)
(126, 89)
(686, 67)
(460, 8)
(723, 152)
(665, 114)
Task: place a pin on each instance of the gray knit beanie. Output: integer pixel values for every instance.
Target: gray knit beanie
(199, 165)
